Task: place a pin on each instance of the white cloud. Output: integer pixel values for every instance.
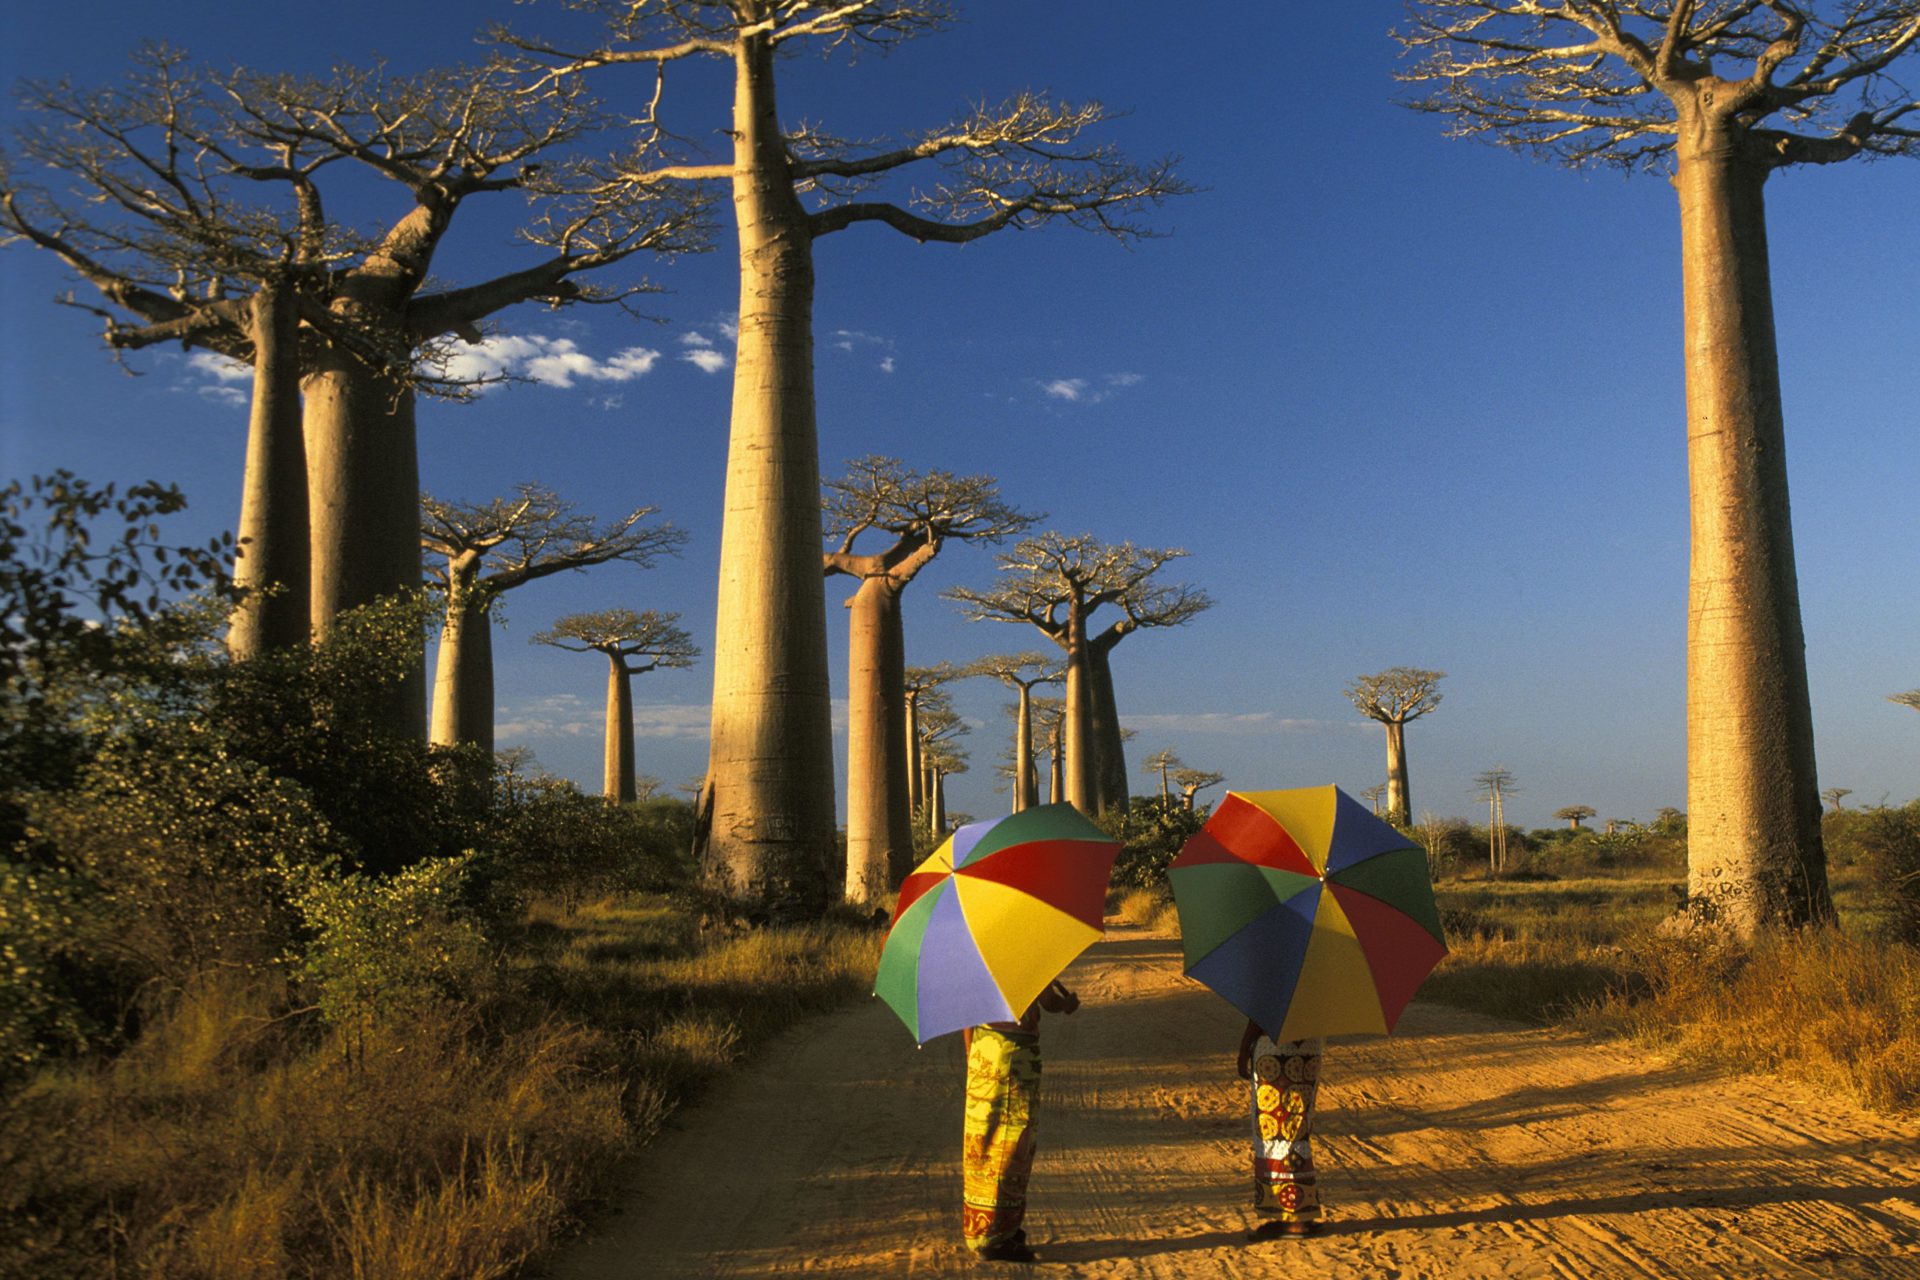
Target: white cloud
(708, 360)
(1234, 722)
(567, 715)
(221, 368)
(232, 397)
(886, 365)
(1087, 391)
(558, 362)
(729, 327)
(609, 402)
(695, 338)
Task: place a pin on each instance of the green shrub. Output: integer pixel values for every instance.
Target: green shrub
(1154, 831)
(1888, 845)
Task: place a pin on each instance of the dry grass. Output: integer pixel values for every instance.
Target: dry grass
(1148, 908)
(231, 1143)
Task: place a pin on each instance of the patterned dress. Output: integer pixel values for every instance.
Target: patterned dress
(1003, 1100)
(1286, 1077)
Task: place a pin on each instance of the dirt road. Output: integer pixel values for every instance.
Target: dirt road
(1461, 1147)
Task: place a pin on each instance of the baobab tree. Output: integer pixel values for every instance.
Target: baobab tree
(921, 688)
(770, 818)
(944, 760)
(1055, 583)
(1372, 796)
(1574, 814)
(444, 137)
(487, 550)
(623, 636)
(1163, 762)
(1021, 672)
(1834, 795)
(1192, 782)
(915, 514)
(1050, 731)
(187, 235)
(1496, 784)
(1719, 95)
(1393, 697)
(1911, 698)
(941, 727)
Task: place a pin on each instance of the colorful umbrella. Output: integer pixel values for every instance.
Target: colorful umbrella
(1310, 915)
(993, 916)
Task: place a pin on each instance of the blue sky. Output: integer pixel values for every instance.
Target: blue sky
(1404, 400)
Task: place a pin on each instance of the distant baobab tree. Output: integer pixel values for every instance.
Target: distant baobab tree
(1834, 795)
(765, 831)
(1055, 583)
(1021, 672)
(940, 755)
(487, 550)
(1192, 782)
(1496, 784)
(1911, 698)
(623, 636)
(1372, 796)
(1049, 729)
(1574, 814)
(1719, 96)
(1393, 697)
(1163, 762)
(922, 690)
(915, 514)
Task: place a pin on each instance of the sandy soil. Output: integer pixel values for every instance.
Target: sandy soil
(1461, 1147)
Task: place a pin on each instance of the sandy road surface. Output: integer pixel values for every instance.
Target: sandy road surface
(1462, 1147)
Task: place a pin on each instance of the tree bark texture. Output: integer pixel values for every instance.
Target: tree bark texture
(937, 822)
(1082, 776)
(617, 782)
(274, 537)
(879, 811)
(1399, 793)
(463, 669)
(770, 835)
(1026, 784)
(1056, 773)
(1110, 749)
(1755, 857)
(363, 486)
(916, 792)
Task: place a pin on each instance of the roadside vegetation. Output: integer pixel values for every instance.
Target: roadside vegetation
(288, 997)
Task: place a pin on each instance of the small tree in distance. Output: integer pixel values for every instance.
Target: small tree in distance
(623, 636)
(1834, 795)
(1574, 814)
(490, 549)
(1192, 782)
(1163, 762)
(1022, 672)
(1910, 698)
(1393, 697)
(1496, 784)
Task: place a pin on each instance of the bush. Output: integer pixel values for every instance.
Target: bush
(1153, 831)
(1888, 848)
(546, 838)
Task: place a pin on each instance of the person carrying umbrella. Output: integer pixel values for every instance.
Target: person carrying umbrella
(984, 927)
(1284, 1078)
(1314, 918)
(1003, 1103)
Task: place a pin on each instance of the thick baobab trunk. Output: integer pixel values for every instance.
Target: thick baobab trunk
(1056, 770)
(1399, 794)
(879, 811)
(1754, 853)
(363, 484)
(1110, 749)
(617, 782)
(1082, 778)
(1026, 783)
(937, 806)
(274, 549)
(463, 670)
(769, 834)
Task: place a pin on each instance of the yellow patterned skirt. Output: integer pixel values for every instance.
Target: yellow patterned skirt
(1003, 1100)
(1286, 1077)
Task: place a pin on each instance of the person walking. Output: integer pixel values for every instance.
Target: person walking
(1003, 1103)
(1284, 1078)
